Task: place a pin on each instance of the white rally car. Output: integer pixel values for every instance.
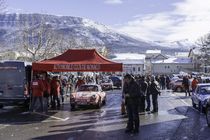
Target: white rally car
(88, 95)
(106, 84)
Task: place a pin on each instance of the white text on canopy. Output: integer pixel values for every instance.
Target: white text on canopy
(77, 67)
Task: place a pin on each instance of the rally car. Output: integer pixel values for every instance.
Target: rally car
(88, 95)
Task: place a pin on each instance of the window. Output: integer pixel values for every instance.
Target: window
(168, 66)
(134, 69)
(139, 69)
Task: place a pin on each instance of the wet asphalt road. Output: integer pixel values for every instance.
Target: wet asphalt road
(176, 120)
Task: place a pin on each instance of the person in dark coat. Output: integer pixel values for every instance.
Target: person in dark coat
(143, 89)
(168, 82)
(148, 80)
(186, 85)
(132, 97)
(163, 82)
(155, 91)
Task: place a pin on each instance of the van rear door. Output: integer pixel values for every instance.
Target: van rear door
(12, 83)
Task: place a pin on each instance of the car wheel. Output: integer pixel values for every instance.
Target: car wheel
(208, 116)
(1, 106)
(193, 104)
(72, 107)
(204, 110)
(179, 89)
(104, 101)
(201, 108)
(99, 104)
(26, 104)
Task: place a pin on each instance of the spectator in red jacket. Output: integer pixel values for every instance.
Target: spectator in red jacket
(47, 88)
(80, 82)
(194, 84)
(55, 91)
(37, 87)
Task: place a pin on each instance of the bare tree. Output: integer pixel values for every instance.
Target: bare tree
(66, 43)
(203, 44)
(40, 41)
(2, 6)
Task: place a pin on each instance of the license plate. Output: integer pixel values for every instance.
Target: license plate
(82, 102)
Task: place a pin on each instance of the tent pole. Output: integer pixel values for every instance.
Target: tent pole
(30, 96)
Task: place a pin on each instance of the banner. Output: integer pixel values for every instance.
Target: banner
(77, 67)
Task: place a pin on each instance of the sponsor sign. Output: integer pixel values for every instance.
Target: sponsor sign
(77, 67)
(35, 83)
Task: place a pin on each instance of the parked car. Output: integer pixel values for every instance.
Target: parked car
(177, 85)
(88, 95)
(205, 79)
(117, 82)
(201, 97)
(207, 113)
(106, 84)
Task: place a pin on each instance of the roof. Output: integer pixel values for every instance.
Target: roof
(174, 60)
(131, 61)
(77, 60)
(153, 51)
(125, 56)
(195, 51)
(181, 54)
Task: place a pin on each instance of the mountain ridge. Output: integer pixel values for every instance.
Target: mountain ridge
(94, 33)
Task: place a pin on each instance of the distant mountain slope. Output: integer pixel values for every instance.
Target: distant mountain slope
(78, 28)
(180, 44)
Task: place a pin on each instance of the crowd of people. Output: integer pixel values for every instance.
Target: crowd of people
(50, 91)
(136, 94)
(140, 93)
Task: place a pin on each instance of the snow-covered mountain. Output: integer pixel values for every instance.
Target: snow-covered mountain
(81, 29)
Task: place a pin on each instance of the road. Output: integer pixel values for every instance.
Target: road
(176, 120)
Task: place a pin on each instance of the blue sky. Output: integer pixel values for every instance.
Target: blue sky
(144, 19)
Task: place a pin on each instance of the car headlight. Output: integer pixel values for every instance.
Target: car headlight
(205, 102)
(93, 97)
(71, 96)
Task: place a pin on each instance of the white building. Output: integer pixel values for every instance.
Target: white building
(133, 63)
(152, 55)
(195, 54)
(172, 65)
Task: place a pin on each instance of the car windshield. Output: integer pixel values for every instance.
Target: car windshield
(205, 90)
(106, 81)
(88, 88)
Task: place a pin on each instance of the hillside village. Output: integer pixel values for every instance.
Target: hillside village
(155, 62)
(151, 62)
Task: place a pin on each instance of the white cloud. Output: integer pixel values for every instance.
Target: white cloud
(113, 1)
(190, 20)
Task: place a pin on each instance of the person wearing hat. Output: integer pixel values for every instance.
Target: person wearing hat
(132, 98)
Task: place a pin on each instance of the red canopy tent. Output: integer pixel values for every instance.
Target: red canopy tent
(77, 60)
